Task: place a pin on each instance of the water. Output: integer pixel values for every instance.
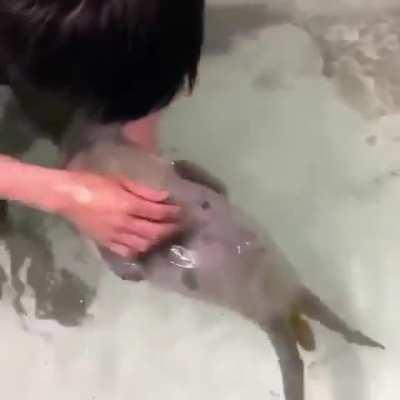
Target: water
(297, 111)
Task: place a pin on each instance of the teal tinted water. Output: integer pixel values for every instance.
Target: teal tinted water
(299, 117)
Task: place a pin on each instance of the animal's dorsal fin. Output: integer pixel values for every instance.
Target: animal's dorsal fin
(195, 173)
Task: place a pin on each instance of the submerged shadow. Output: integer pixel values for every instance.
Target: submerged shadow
(225, 23)
(58, 294)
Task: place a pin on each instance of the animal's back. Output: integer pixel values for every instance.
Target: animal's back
(222, 259)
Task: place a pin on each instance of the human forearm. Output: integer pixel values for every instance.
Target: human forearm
(118, 214)
(32, 185)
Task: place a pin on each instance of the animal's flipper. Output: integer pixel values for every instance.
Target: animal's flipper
(193, 172)
(128, 271)
(189, 279)
(312, 306)
(284, 342)
(302, 329)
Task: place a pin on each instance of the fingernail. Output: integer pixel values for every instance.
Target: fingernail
(164, 194)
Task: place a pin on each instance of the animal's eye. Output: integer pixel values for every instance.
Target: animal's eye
(205, 205)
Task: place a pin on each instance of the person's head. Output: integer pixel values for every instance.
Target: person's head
(120, 59)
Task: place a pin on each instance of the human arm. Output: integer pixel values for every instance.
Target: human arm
(118, 214)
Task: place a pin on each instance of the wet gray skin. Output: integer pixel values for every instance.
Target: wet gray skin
(221, 258)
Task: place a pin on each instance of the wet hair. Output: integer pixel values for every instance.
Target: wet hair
(118, 59)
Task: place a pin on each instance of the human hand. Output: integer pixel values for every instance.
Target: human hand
(120, 215)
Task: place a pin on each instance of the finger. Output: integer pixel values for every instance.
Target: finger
(155, 212)
(133, 242)
(144, 192)
(152, 231)
(121, 250)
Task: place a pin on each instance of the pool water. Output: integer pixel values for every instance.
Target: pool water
(297, 111)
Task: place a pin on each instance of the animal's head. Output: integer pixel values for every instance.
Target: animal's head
(101, 149)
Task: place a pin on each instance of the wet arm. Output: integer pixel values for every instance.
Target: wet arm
(32, 185)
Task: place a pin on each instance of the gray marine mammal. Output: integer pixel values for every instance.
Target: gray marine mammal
(221, 258)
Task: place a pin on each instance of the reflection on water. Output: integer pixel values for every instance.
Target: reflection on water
(303, 106)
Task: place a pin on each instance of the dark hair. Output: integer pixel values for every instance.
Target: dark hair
(120, 59)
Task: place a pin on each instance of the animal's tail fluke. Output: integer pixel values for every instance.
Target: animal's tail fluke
(312, 306)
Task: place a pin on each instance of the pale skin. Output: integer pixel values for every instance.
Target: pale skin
(119, 214)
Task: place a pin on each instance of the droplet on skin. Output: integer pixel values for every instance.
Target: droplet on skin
(80, 193)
